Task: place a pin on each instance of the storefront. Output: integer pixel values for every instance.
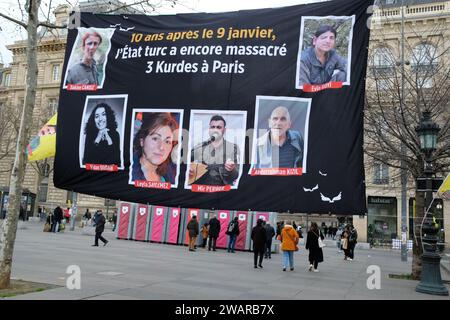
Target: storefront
(28, 202)
(381, 220)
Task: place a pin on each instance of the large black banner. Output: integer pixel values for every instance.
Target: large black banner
(248, 110)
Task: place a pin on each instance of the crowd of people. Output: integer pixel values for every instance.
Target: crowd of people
(56, 220)
(288, 235)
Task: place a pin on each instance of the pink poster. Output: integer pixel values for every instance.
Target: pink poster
(157, 224)
(243, 222)
(262, 215)
(191, 213)
(174, 223)
(141, 222)
(224, 218)
(124, 221)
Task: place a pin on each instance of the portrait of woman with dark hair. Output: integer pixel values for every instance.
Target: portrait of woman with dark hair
(102, 145)
(321, 63)
(152, 147)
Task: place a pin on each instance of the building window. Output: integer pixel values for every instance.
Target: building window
(380, 173)
(381, 220)
(382, 66)
(52, 106)
(7, 79)
(424, 59)
(55, 72)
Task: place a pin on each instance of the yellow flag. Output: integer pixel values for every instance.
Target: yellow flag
(44, 144)
(444, 189)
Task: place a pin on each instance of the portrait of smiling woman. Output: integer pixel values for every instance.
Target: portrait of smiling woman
(152, 148)
(102, 144)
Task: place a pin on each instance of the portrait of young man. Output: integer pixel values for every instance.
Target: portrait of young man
(324, 51)
(216, 160)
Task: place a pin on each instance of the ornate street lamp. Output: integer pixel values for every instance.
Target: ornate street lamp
(431, 281)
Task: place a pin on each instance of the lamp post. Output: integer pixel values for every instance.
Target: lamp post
(431, 281)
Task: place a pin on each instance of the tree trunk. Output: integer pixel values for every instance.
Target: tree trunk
(417, 243)
(9, 227)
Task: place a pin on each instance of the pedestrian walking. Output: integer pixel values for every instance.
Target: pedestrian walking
(345, 245)
(86, 217)
(99, 228)
(205, 232)
(338, 237)
(22, 213)
(214, 230)
(300, 232)
(56, 219)
(312, 244)
(289, 241)
(95, 217)
(232, 232)
(114, 220)
(259, 243)
(192, 228)
(270, 233)
(352, 240)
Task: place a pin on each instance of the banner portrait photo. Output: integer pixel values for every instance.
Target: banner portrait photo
(258, 110)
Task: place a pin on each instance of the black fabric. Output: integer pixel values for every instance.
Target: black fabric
(96, 153)
(258, 253)
(214, 227)
(259, 238)
(212, 242)
(100, 223)
(335, 128)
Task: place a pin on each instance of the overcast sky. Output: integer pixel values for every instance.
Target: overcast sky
(9, 33)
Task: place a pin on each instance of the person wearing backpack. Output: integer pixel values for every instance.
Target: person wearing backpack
(232, 232)
(312, 244)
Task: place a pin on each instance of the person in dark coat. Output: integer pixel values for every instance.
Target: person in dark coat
(352, 240)
(259, 242)
(57, 218)
(232, 232)
(192, 228)
(99, 228)
(270, 232)
(214, 230)
(312, 244)
(22, 213)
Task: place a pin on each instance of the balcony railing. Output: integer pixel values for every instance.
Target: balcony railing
(381, 181)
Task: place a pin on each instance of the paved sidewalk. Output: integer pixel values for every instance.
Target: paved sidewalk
(139, 270)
